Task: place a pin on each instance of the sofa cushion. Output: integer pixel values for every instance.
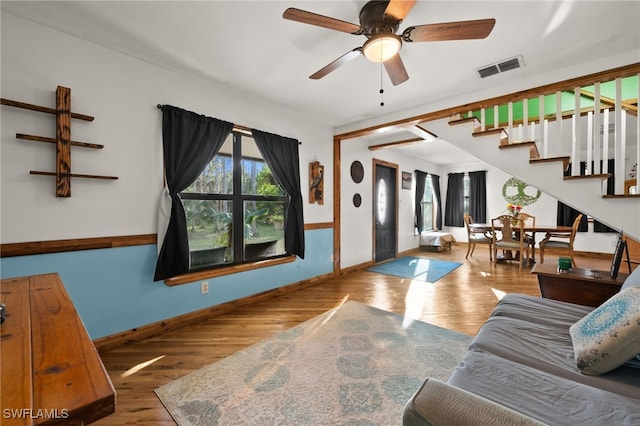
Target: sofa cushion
(438, 403)
(533, 309)
(543, 395)
(632, 280)
(547, 348)
(609, 336)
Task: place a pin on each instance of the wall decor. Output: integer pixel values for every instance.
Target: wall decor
(357, 171)
(63, 141)
(521, 193)
(357, 200)
(406, 180)
(316, 182)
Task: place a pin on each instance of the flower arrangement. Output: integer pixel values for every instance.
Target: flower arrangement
(514, 210)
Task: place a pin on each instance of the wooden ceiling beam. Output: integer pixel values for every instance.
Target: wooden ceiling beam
(395, 144)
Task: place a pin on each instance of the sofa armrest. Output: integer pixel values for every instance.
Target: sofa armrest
(437, 403)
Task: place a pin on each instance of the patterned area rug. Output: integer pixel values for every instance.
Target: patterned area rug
(354, 365)
(416, 268)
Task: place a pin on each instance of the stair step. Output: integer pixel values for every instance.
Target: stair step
(499, 130)
(455, 121)
(602, 176)
(533, 149)
(622, 196)
(565, 161)
(517, 144)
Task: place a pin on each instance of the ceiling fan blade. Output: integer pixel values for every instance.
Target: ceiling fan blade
(399, 9)
(396, 70)
(463, 30)
(311, 18)
(335, 64)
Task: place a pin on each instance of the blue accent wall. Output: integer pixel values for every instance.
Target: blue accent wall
(113, 289)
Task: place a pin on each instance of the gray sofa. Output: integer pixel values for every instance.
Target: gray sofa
(521, 369)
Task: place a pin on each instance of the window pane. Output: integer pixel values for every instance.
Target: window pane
(263, 229)
(427, 205)
(209, 225)
(256, 176)
(217, 176)
(467, 193)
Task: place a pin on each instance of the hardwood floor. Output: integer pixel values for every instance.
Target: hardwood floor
(460, 301)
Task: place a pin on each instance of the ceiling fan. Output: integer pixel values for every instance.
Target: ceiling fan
(379, 21)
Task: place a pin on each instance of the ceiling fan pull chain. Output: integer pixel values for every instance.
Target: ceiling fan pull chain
(381, 89)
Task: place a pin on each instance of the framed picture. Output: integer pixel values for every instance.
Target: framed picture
(621, 246)
(406, 180)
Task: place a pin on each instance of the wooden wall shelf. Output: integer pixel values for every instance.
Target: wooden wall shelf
(63, 141)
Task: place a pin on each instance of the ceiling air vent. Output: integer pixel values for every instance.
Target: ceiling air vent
(490, 70)
(502, 66)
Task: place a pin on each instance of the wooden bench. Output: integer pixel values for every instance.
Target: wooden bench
(50, 370)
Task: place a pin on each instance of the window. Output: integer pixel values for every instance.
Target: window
(429, 205)
(467, 191)
(235, 208)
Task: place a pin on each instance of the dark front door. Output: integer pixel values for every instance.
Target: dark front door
(385, 212)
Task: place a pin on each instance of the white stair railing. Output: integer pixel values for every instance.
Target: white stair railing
(581, 132)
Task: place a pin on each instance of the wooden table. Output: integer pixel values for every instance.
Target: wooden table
(579, 285)
(50, 370)
(486, 227)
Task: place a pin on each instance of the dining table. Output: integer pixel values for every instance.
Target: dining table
(531, 229)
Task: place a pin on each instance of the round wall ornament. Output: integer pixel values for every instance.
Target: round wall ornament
(357, 171)
(357, 200)
(518, 192)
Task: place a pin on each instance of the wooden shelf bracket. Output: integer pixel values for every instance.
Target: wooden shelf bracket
(62, 140)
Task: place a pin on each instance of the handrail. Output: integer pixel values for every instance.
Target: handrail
(587, 132)
(624, 71)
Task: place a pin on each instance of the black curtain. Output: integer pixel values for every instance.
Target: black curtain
(611, 189)
(566, 215)
(421, 180)
(281, 154)
(189, 143)
(435, 182)
(478, 196)
(454, 209)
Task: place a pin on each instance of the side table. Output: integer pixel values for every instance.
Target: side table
(581, 286)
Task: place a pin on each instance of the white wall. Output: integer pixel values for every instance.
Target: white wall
(121, 93)
(356, 239)
(544, 209)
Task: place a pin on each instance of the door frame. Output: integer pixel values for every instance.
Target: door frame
(378, 162)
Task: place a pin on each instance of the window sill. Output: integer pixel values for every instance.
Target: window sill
(233, 269)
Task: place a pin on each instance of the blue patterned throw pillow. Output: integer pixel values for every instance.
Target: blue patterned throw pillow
(609, 335)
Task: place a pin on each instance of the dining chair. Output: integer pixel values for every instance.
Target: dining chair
(529, 220)
(562, 241)
(476, 237)
(509, 237)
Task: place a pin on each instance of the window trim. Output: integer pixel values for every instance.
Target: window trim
(228, 270)
(434, 202)
(237, 199)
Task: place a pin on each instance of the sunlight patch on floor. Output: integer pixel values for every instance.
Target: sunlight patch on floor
(414, 302)
(134, 370)
(498, 293)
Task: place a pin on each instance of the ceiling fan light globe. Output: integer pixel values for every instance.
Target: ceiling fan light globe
(381, 47)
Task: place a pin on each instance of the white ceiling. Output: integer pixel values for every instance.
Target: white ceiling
(249, 46)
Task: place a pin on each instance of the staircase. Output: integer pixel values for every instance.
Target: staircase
(523, 161)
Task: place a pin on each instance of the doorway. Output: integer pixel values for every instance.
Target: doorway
(385, 210)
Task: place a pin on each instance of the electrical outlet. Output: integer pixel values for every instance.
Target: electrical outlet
(204, 287)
